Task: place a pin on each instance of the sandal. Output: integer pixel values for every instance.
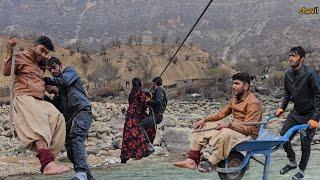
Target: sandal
(298, 176)
(205, 166)
(287, 168)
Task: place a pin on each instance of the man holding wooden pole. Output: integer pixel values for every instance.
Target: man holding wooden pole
(39, 125)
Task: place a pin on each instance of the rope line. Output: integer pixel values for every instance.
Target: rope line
(186, 38)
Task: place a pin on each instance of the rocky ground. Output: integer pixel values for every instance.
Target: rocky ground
(104, 141)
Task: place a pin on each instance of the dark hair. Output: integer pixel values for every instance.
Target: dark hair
(158, 81)
(46, 42)
(136, 83)
(242, 76)
(298, 50)
(52, 61)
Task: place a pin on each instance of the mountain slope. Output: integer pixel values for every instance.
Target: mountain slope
(231, 30)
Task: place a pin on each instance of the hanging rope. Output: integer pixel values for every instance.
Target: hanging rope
(186, 37)
(178, 51)
(174, 55)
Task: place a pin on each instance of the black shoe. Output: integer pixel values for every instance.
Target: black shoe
(123, 161)
(149, 152)
(90, 176)
(75, 178)
(205, 166)
(287, 168)
(298, 176)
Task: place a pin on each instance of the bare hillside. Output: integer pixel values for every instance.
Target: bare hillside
(122, 63)
(233, 29)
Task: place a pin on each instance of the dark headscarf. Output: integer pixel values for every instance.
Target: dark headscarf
(136, 87)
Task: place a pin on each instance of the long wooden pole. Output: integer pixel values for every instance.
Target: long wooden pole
(12, 76)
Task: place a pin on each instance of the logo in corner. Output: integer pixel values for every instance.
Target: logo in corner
(305, 10)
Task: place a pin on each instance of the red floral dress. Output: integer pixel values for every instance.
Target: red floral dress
(134, 143)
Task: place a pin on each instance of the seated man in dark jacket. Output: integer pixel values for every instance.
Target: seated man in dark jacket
(73, 102)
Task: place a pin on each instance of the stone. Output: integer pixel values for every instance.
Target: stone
(105, 129)
(117, 143)
(92, 134)
(278, 93)
(102, 153)
(112, 160)
(62, 157)
(95, 114)
(187, 117)
(92, 150)
(1, 129)
(169, 121)
(262, 90)
(6, 133)
(108, 144)
(177, 139)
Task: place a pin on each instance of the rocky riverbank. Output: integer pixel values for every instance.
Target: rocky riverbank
(104, 141)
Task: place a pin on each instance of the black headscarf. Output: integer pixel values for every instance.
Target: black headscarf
(136, 87)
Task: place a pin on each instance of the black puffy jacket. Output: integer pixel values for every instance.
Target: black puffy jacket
(72, 96)
(159, 100)
(302, 87)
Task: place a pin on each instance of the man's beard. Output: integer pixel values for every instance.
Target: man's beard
(296, 64)
(42, 64)
(239, 94)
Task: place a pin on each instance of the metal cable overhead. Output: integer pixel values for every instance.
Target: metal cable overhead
(186, 37)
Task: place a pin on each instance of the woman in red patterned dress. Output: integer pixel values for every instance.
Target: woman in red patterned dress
(134, 142)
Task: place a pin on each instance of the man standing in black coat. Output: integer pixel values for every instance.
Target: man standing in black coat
(157, 103)
(302, 87)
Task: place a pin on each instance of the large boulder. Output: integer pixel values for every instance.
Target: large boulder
(262, 90)
(278, 93)
(177, 139)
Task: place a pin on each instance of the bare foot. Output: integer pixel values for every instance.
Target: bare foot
(188, 163)
(54, 168)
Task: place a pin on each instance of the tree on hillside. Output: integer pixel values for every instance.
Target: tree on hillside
(103, 49)
(163, 51)
(163, 38)
(154, 40)
(213, 62)
(104, 74)
(115, 42)
(139, 40)
(178, 40)
(130, 40)
(85, 59)
(146, 68)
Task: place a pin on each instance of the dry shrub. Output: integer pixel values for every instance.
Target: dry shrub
(104, 80)
(111, 89)
(218, 85)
